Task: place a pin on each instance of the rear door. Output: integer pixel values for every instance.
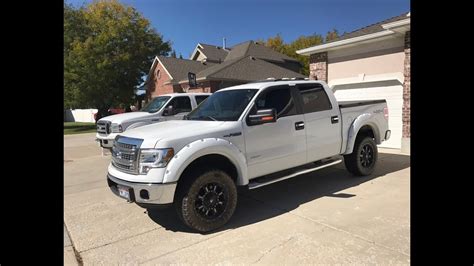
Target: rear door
(322, 122)
(200, 99)
(280, 145)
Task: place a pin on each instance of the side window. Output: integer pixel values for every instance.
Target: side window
(314, 98)
(181, 104)
(279, 98)
(201, 98)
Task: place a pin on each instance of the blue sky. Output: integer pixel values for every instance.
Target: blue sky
(186, 22)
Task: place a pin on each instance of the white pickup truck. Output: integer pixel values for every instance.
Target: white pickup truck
(245, 136)
(162, 108)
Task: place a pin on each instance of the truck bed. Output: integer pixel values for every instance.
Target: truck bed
(361, 111)
(346, 104)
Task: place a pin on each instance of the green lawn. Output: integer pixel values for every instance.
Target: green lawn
(78, 128)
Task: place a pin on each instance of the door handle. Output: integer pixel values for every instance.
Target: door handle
(299, 125)
(334, 119)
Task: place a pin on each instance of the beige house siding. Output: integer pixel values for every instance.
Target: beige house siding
(389, 63)
(387, 56)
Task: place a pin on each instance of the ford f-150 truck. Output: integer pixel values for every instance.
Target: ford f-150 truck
(246, 137)
(162, 108)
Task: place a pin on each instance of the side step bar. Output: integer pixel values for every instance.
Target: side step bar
(267, 180)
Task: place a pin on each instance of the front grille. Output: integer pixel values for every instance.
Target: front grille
(126, 146)
(125, 154)
(103, 127)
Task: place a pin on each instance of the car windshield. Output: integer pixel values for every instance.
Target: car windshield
(225, 105)
(155, 104)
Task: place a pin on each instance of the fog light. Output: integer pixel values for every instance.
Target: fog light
(144, 194)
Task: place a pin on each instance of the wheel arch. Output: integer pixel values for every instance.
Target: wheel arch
(219, 153)
(362, 126)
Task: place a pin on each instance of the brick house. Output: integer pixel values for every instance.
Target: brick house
(219, 67)
(371, 63)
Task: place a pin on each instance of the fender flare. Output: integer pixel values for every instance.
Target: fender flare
(194, 150)
(361, 121)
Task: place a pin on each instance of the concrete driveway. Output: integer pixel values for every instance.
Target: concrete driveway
(325, 217)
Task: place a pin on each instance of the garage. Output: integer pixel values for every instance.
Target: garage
(390, 90)
(370, 63)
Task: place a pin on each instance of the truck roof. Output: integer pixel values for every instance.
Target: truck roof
(263, 84)
(186, 94)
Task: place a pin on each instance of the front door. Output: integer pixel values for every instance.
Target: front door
(280, 145)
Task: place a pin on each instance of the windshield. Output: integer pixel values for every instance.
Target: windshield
(223, 105)
(155, 104)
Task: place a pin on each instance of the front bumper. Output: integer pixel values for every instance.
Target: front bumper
(145, 193)
(106, 141)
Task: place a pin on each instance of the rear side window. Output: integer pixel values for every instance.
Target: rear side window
(200, 98)
(314, 98)
(181, 104)
(279, 98)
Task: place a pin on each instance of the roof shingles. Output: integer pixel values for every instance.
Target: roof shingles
(374, 28)
(179, 68)
(214, 53)
(248, 61)
(247, 69)
(251, 48)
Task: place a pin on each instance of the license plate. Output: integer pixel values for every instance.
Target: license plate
(124, 192)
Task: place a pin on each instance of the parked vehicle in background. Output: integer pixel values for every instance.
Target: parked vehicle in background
(162, 108)
(244, 136)
(111, 111)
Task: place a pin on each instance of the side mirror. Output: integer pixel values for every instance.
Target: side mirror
(168, 111)
(262, 117)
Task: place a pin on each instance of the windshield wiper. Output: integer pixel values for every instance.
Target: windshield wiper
(207, 117)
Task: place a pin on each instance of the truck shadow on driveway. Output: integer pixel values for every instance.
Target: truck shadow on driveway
(281, 197)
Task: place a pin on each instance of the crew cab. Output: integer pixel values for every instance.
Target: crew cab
(245, 137)
(162, 108)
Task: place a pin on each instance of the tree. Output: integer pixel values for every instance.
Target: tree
(173, 54)
(290, 49)
(276, 43)
(108, 47)
(332, 35)
(303, 42)
(180, 56)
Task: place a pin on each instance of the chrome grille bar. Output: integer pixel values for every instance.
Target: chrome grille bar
(125, 154)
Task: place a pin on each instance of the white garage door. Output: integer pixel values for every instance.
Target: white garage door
(391, 91)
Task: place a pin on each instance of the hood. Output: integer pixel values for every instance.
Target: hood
(173, 130)
(120, 118)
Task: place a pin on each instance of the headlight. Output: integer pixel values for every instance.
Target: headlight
(154, 158)
(116, 128)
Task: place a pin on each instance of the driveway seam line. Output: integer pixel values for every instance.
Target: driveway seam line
(335, 228)
(119, 240)
(271, 249)
(351, 234)
(84, 183)
(181, 248)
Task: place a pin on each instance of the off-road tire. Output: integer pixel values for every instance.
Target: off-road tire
(362, 160)
(190, 200)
